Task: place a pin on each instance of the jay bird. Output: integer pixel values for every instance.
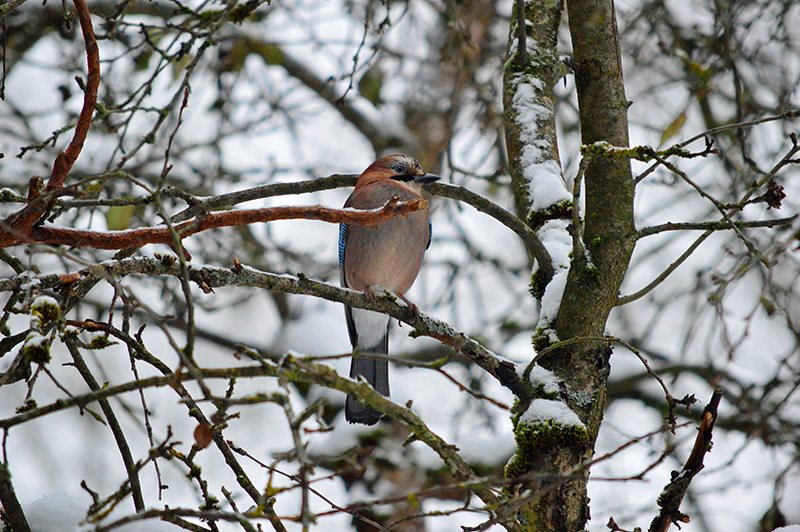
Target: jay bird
(386, 257)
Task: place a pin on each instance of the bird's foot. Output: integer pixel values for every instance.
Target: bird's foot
(412, 306)
(369, 294)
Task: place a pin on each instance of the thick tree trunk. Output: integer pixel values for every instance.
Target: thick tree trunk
(550, 453)
(609, 229)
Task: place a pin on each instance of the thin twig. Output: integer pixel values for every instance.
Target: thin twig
(717, 225)
(113, 424)
(294, 370)
(672, 495)
(532, 241)
(623, 300)
(306, 466)
(16, 227)
(795, 113)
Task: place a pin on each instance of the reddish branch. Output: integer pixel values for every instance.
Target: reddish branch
(672, 496)
(162, 235)
(17, 227)
(67, 158)
(20, 228)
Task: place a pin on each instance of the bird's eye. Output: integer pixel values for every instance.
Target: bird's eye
(399, 168)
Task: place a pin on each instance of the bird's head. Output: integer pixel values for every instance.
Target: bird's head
(402, 168)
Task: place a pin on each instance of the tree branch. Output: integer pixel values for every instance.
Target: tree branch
(201, 205)
(12, 511)
(670, 499)
(528, 235)
(17, 226)
(210, 277)
(289, 369)
(715, 225)
(113, 423)
(272, 54)
(623, 300)
(65, 160)
(163, 235)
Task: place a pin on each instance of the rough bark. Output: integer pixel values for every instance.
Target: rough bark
(609, 229)
(550, 461)
(532, 59)
(609, 237)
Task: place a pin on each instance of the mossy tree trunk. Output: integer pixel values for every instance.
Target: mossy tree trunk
(601, 248)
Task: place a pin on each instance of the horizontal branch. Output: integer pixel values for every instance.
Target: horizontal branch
(162, 235)
(211, 277)
(287, 369)
(714, 225)
(201, 205)
(788, 115)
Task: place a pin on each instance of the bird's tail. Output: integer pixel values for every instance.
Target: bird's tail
(373, 364)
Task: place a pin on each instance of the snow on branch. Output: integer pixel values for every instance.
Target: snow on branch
(208, 278)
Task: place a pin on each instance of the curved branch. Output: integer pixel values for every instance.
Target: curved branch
(793, 113)
(289, 369)
(528, 235)
(17, 226)
(211, 277)
(163, 235)
(623, 300)
(199, 206)
(65, 160)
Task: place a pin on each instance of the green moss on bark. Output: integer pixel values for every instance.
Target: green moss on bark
(539, 438)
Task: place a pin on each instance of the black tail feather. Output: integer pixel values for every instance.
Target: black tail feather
(374, 367)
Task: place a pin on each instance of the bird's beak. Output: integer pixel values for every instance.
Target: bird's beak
(426, 178)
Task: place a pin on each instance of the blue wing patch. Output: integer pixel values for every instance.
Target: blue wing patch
(342, 235)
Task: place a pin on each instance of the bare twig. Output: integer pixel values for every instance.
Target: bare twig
(291, 369)
(717, 225)
(670, 499)
(720, 207)
(622, 300)
(16, 227)
(532, 241)
(113, 423)
(65, 160)
(11, 508)
(162, 235)
(788, 115)
(501, 369)
(306, 467)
